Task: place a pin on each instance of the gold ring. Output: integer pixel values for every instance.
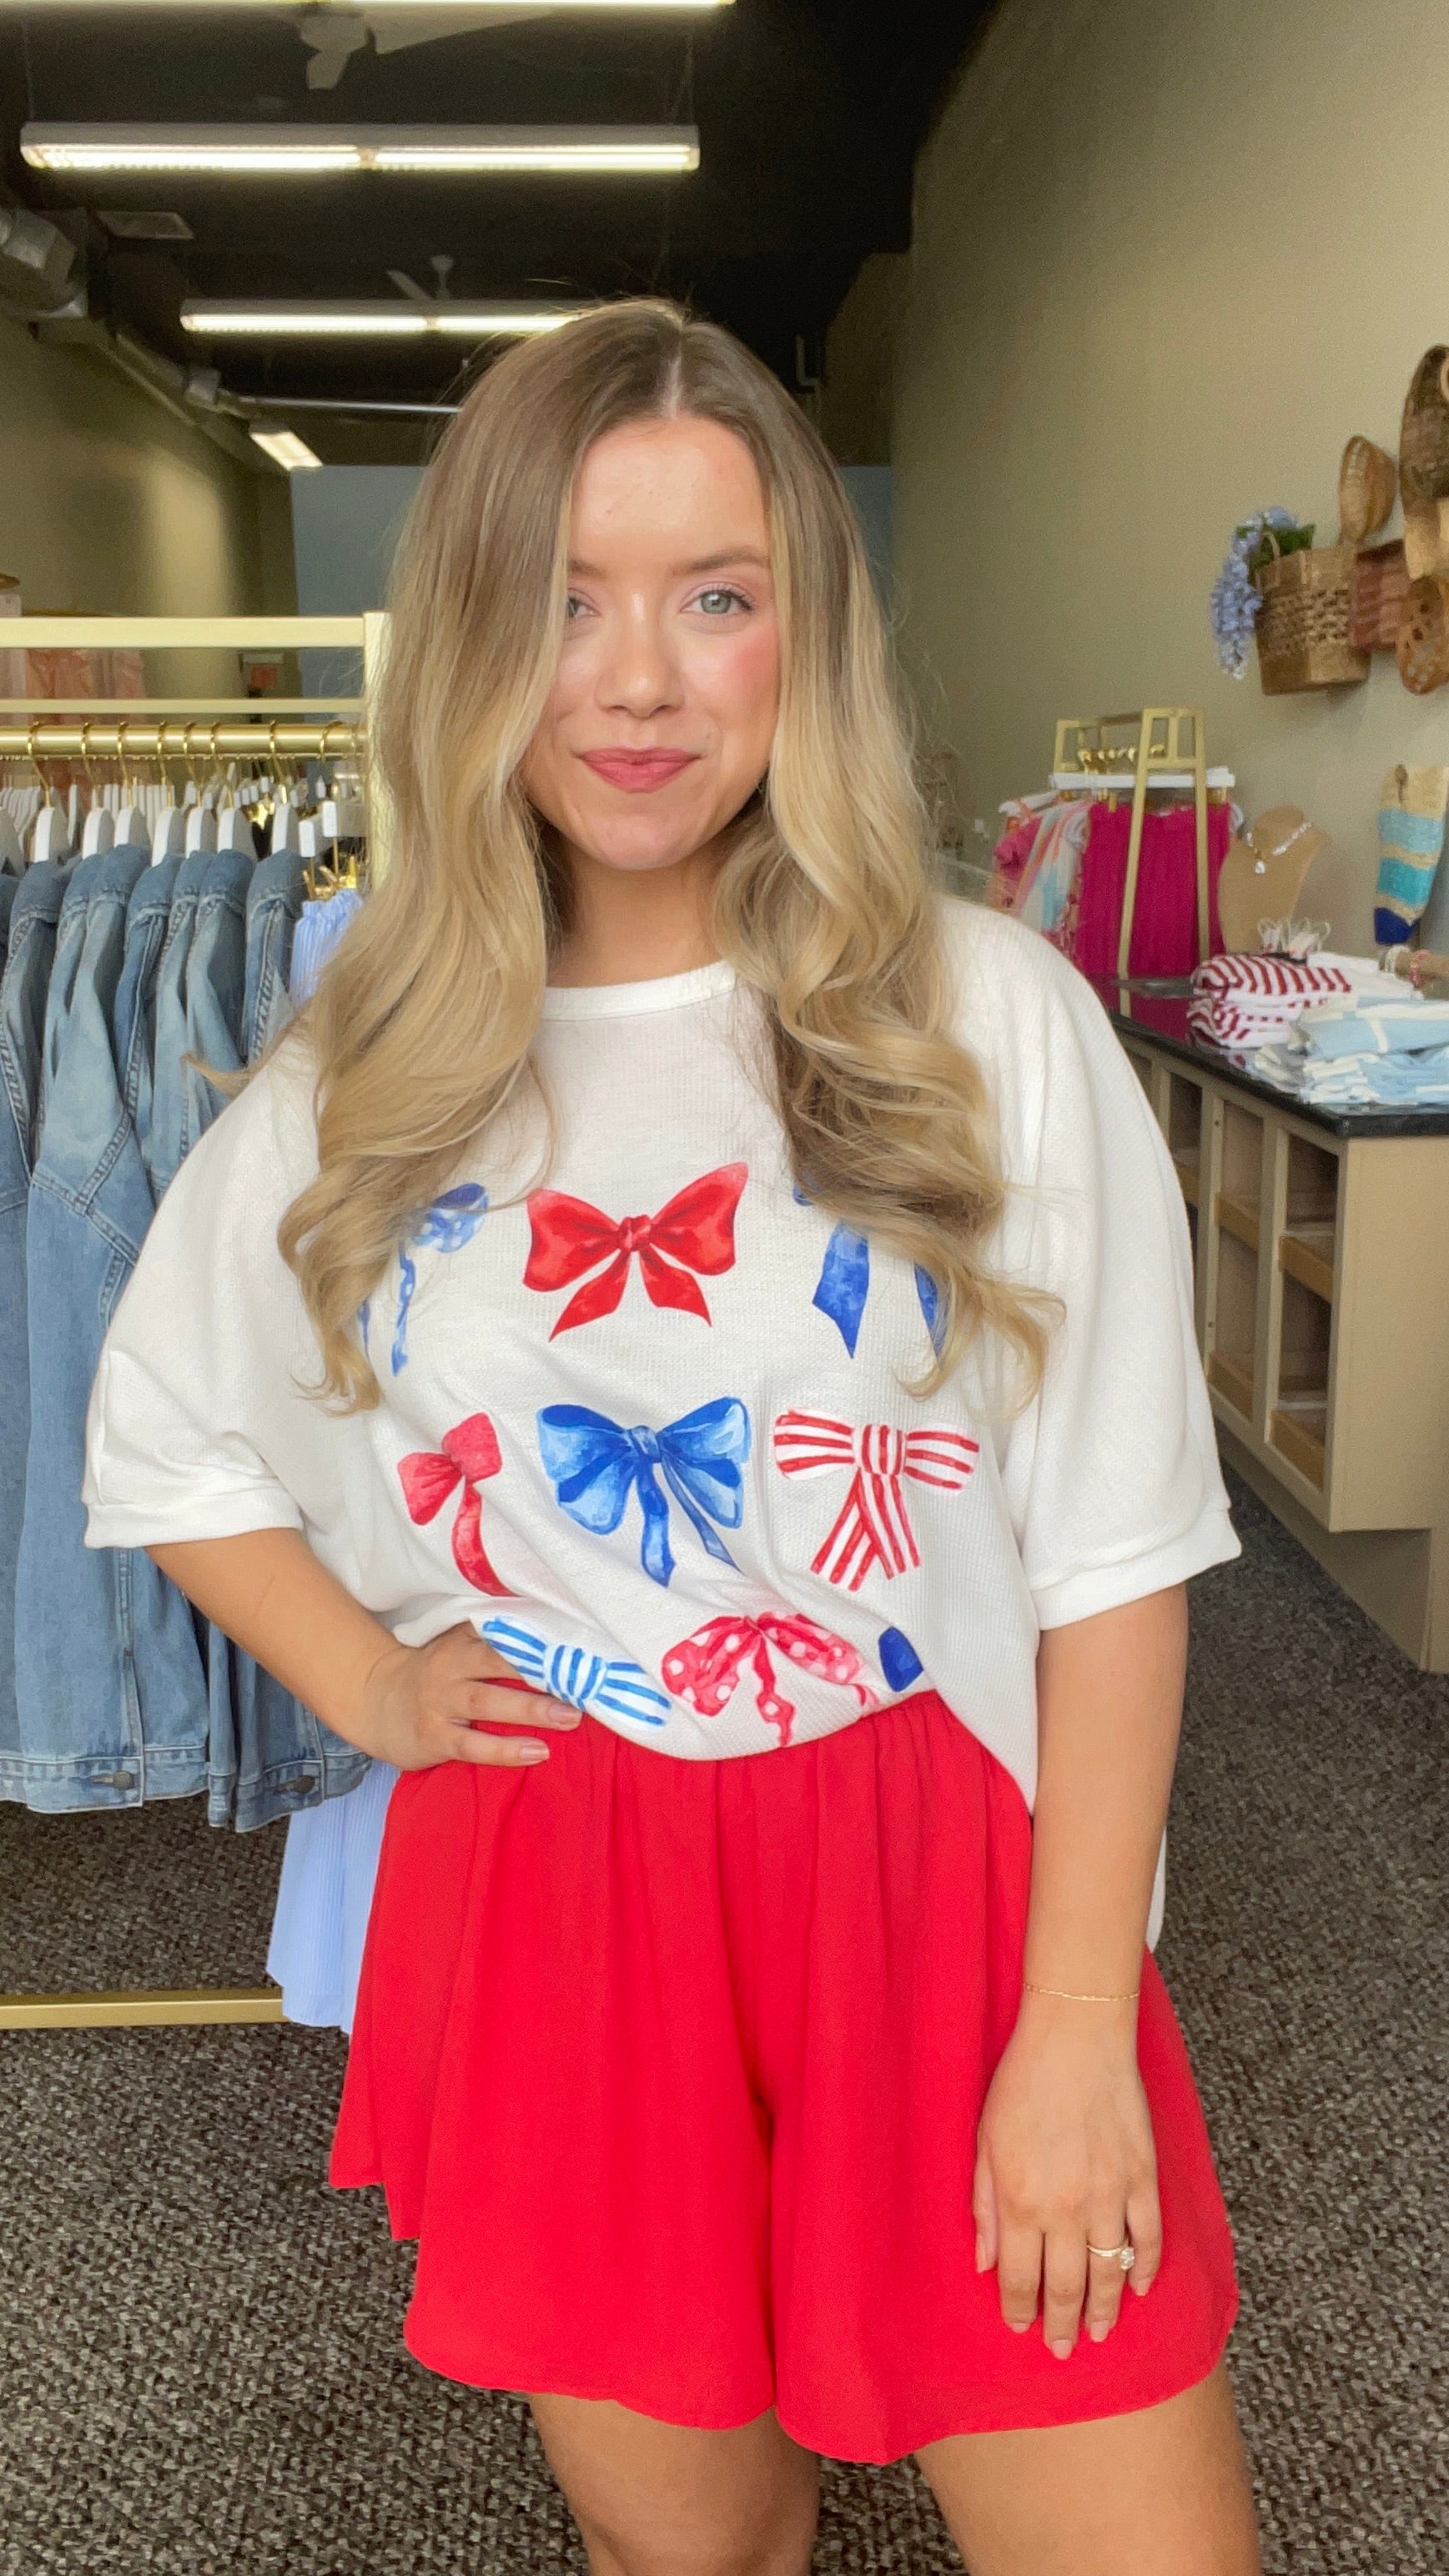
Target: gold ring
(1125, 2254)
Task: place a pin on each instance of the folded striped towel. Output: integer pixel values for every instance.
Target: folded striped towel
(1245, 1001)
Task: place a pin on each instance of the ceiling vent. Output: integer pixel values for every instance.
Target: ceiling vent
(123, 225)
(39, 272)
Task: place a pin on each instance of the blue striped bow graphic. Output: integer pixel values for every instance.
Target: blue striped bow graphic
(594, 1466)
(604, 1687)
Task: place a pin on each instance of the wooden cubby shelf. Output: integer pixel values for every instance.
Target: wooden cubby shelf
(1321, 1286)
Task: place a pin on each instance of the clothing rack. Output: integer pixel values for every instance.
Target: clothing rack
(1152, 749)
(179, 729)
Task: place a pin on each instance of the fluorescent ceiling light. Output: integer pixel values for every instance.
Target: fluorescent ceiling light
(386, 8)
(285, 448)
(257, 318)
(296, 150)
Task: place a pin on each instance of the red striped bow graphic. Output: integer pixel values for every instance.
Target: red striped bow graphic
(873, 1526)
(696, 1230)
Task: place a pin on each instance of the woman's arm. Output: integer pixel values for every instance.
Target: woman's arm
(1065, 2151)
(410, 1705)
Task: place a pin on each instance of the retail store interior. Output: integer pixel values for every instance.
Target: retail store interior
(1126, 326)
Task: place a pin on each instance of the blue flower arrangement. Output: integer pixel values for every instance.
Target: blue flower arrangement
(1235, 603)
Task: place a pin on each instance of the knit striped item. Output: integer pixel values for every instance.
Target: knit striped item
(1411, 836)
(1242, 1001)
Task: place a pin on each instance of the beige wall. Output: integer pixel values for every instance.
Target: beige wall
(857, 394)
(108, 503)
(1162, 269)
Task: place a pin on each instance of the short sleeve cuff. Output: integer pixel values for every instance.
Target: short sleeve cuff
(202, 1516)
(1212, 1540)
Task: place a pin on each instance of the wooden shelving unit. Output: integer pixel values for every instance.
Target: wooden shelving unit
(1321, 1268)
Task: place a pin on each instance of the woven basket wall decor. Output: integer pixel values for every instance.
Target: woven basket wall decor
(1303, 624)
(1367, 481)
(1423, 639)
(1424, 433)
(1380, 582)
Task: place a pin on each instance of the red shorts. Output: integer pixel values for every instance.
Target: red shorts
(674, 2070)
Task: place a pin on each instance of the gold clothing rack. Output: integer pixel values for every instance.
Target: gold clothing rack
(1152, 748)
(178, 729)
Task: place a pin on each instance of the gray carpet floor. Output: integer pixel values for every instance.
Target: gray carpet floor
(201, 2367)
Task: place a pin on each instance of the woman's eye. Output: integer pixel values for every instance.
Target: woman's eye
(719, 602)
(574, 607)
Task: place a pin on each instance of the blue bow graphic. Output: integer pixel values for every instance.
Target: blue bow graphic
(450, 1222)
(593, 1682)
(845, 1284)
(594, 1465)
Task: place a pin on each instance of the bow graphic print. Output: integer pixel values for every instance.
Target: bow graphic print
(844, 1283)
(604, 1686)
(594, 1465)
(873, 1526)
(469, 1455)
(695, 1230)
(449, 1223)
(706, 1667)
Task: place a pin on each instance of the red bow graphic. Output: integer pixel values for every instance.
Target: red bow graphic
(873, 1526)
(706, 1667)
(468, 1456)
(697, 1228)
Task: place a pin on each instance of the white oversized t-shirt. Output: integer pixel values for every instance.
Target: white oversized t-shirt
(644, 1418)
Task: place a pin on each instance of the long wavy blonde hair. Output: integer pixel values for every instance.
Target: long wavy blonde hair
(422, 1024)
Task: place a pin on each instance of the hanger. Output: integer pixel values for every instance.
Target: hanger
(200, 807)
(98, 833)
(12, 857)
(50, 839)
(168, 832)
(132, 827)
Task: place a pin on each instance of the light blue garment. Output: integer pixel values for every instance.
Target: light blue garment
(30, 948)
(1406, 1025)
(274, 903)
(329, 1870)
(109, 1682)
(322, 925)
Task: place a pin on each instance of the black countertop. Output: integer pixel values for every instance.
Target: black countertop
(1161, 1015)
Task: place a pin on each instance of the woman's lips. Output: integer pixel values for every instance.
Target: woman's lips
(637, 771)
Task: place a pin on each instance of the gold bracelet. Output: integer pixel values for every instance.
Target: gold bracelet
(1063, 1996)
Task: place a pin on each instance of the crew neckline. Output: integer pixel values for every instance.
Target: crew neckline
(621, 1001)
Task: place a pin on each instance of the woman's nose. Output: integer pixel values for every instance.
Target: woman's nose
(639, 674)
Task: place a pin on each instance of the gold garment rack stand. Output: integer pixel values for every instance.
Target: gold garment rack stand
(1152, 747)
(173, 729)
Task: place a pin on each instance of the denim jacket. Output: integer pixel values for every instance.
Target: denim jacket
(109, 1682)
(124, 1695)
(268, 1754)
(164, 1142)
(273, 905)
(34, 908)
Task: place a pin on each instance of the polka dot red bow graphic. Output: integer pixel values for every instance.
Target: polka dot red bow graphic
(469, 1455)
(706, 1667)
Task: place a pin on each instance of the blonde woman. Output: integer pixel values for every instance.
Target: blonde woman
(685, 1271)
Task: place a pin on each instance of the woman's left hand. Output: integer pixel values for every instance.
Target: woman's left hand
(1065, 2156)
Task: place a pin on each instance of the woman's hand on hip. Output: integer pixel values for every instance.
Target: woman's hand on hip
(422, 1705)
(1065, 2159)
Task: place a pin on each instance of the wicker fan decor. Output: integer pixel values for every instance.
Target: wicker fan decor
(1422, 650)
(1424, 434)
(1367, 481)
